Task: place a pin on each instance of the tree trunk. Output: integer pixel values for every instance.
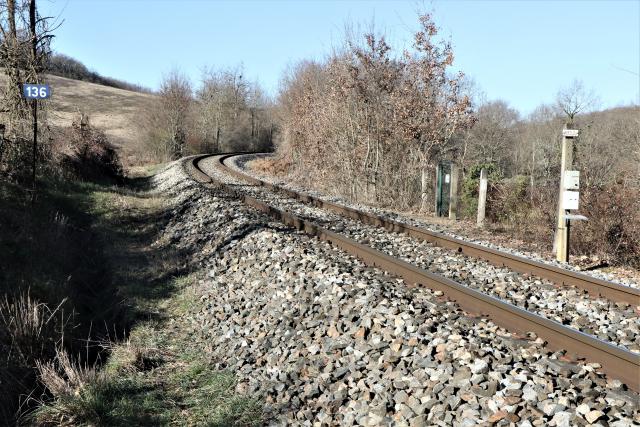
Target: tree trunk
(252, 124)
(15, 100)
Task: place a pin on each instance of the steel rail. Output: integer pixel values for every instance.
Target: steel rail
(557, 275)
(615, 361)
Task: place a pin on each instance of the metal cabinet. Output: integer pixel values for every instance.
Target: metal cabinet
(443, 188)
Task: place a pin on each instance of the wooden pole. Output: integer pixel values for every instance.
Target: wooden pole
(36, 68)
(35, 141)
(453, 192)
(482, 197)
(560, 243)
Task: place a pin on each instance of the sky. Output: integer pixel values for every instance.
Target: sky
(520, 51)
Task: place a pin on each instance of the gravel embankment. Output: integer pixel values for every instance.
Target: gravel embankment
(240, 161)
(618, 323)
(325, 340)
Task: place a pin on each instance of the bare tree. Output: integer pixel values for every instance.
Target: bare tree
(370, 122)
(24, 46)
(575, 99)
(540, 142)
(231, 112)
(175, 98)
(10, 54)
(492, 139)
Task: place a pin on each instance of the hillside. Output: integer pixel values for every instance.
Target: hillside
(115, 111)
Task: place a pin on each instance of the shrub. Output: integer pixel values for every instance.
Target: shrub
(508, 200)
(612, 231)
(276, 166)
(512, 206)
(471, 184)
(85, 153)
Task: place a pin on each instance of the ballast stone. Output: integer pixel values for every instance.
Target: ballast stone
(265, 317)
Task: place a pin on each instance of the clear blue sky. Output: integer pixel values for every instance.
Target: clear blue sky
(519, 51)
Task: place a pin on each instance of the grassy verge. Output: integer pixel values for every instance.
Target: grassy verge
(157, 377)
(126, 358)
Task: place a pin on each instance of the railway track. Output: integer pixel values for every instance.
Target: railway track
(560, 276)
(616, 361)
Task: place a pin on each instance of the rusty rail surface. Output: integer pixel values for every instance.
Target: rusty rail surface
(557, 275)
(615, 361)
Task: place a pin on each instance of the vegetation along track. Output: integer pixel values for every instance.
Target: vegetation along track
(616, 361)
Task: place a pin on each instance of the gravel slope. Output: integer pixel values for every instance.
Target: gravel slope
(325, 340)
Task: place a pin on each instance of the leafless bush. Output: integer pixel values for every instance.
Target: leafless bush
(84, 152)
(175, 99)
(366, 124)
(277, 166)
(613, 229)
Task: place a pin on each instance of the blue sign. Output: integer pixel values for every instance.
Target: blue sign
(33, 91)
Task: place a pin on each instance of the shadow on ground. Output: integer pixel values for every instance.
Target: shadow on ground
(87, 249)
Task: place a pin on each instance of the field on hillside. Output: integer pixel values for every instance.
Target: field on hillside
(114, 111)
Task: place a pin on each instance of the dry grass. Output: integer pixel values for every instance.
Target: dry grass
(65, 377)
(114, 111)
(276, 166)
(28, 327)
(73, 386)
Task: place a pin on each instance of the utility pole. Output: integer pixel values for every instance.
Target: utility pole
(35, 92)
(482, 198)
(35, 64)
(34, 103)
(560, 242)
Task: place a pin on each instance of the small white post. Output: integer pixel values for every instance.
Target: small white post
(453, 193)
(482, 197)
(424, 181)
(436, 191)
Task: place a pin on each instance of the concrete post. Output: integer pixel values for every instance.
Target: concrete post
(436, 190)
(453, 191)
(560, 242)
(482, 197)
(424, 183)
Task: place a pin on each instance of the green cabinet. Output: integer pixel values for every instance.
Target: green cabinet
(443, 188)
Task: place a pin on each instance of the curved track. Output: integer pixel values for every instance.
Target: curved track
(595, 286)
(616, 361)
